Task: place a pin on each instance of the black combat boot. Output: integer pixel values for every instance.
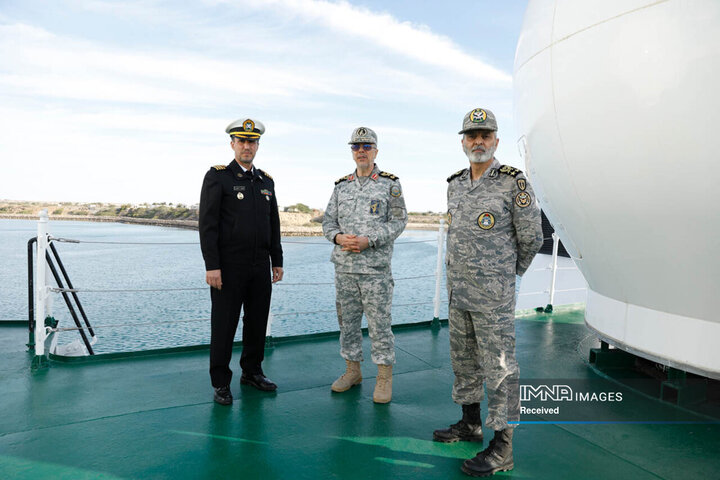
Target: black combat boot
(469, 428)
(497, 457)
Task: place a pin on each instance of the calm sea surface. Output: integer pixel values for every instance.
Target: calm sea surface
(304, 302)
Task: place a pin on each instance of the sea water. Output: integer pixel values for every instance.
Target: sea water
(144, 286)
(165, 260)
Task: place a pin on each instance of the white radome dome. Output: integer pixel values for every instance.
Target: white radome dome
(616, 103)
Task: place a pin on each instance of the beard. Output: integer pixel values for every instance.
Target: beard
(480, 157)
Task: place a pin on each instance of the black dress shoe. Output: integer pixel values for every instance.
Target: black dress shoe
(223, 396)
(259, 381)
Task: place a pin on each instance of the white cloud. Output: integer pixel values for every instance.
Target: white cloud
(145, 119)
(383, 30)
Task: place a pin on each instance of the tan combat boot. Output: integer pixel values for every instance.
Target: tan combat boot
(383, 384)
(350, 378)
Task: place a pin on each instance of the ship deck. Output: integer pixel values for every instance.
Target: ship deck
(152, 416)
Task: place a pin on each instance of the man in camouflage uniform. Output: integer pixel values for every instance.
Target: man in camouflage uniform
(494, 233)
(365, 215)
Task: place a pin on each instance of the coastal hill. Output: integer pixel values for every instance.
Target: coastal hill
(295, 220)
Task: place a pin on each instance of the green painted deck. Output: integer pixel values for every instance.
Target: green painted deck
(153, 417)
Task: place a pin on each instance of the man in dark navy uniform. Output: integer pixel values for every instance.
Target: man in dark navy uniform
(240, 242)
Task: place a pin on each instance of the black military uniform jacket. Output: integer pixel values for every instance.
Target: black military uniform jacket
(239, 221)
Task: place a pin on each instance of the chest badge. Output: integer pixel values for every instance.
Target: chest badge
(374, 207)
(523, 199)
(486, 220)
(240, 196)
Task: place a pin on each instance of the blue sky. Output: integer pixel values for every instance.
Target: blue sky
(128, 101)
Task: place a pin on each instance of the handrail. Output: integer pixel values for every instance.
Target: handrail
(70, 289)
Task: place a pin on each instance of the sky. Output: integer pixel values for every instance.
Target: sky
(127, 102)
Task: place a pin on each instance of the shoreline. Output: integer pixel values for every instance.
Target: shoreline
(285, 230)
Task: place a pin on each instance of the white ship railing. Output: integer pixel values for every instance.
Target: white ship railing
(43, 290)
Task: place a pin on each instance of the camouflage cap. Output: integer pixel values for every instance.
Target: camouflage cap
(479, 119)
(363, 135)
(245, 128)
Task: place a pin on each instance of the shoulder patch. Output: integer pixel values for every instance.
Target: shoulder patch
(219, 167)
(340, 180)
(508, 170)
(265, 173)
(388, 175)
(455, 175)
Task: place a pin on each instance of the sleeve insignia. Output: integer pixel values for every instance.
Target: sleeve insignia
(219, 167)
(388, 175)
(523, 199)
(522, 185)
(455, 175)
(508, 170)
(265, 173)
(340, 180)
(395, 191)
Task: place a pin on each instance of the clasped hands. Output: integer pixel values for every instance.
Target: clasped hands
(352, 243)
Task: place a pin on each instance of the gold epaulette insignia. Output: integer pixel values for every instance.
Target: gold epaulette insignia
(508, 170)
(388, 175)
(219, 167)
(455, 175)
(265, 173)
(340, 180)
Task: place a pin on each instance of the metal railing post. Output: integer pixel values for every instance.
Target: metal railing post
(553, 274)
(41, 290)
(438, 274)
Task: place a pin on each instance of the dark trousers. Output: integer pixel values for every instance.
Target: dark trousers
(242, 286)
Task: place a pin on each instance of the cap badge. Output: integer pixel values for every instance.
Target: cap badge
(248, 125)
(361, 132)
(478, 115)
(240, 196)
(523, 199)
(521, 184)
(486, 221)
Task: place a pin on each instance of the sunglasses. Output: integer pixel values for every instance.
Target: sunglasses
(365, 146)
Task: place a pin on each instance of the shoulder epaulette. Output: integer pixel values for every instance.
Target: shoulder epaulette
(263, 172)
(342, 179)
(219, 167)
(455, 175)
(388, 175)
(508, 170)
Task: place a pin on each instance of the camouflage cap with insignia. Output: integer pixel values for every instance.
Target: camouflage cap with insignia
(246, 128)
(479, 119)
(363, 135)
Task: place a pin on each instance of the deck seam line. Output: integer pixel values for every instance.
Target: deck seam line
(611, 452)
(415, 356)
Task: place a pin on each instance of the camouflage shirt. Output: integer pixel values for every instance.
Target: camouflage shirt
(373, 209)
(494, 233)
